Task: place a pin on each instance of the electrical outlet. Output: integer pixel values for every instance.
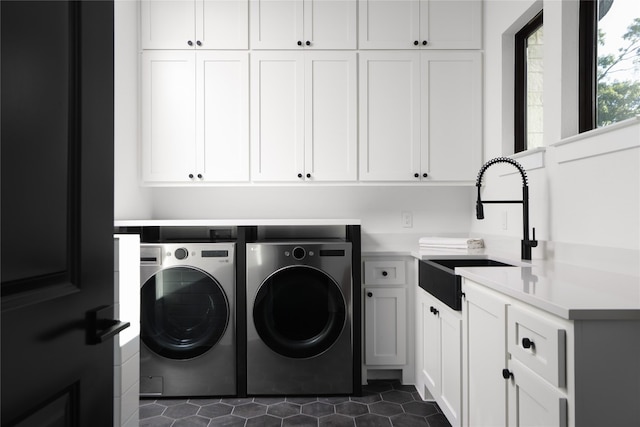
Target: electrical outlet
(505, 224)
(407, 220)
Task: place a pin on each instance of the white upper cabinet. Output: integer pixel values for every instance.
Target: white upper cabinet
(303, 24)
(420, 24)
(195, 117)
(420, 116)
(194, 24)
(303, 116)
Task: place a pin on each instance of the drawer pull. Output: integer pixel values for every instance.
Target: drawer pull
(385, 274)
(369, 294)
(506, 374)
(434, 310)
(527, 343)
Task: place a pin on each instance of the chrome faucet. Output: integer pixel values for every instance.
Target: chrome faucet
(527, 244)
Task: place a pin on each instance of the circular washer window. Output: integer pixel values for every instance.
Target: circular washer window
(184, 312)
(299, 312)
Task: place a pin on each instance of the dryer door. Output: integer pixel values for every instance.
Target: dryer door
(299, 312)
(183, 312)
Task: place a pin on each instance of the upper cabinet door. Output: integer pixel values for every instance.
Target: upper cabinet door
(420, 24)
(331, 116)
(222, 128)
(330, 24)
(168, 24)
(277, 116)
(303, 24)
(450, 24)
(222, 24)
(168, 116)
(389, 113)
(389, 24)
(451, 115)
(194, 24)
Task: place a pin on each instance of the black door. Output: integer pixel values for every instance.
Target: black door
(183, 312)
(299, 312)
(57, 213)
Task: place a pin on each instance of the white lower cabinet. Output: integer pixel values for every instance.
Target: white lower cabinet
(526, 367)
(439, 354)
(387, 319)
(484, 357)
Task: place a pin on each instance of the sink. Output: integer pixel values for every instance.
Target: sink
(437, 277)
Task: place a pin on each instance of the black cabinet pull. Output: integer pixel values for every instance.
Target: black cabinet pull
(463, 295)
(416, 175)
(434, 310)
(299, 43)
(199, 43)
(299, 175)
(527, 343)
(424, 42)
(416, 42)
(308, 175)
(190, 43)
(369, 294)
(200, 175)
(385, 274)
(308, 43)
(424, 175)
(506, 374)
(191, 176)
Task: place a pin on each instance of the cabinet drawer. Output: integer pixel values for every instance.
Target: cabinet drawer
(539, 343)
(384, 272)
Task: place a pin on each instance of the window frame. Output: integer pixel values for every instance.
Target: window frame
(520, 83)
(587, 65)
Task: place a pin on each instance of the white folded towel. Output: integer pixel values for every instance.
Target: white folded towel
(451, 242)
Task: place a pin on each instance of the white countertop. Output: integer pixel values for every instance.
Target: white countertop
(567, 291)
(232, 222)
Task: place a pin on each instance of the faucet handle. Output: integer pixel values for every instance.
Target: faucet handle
(533, 242)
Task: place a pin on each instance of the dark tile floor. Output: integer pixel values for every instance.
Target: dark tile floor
(383, 403)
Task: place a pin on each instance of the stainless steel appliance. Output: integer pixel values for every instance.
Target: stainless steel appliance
(187, 315)
(299, 311)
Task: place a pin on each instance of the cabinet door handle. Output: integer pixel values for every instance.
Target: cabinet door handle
(385, 274)
(527, 343)
(424, 42)
(299, 42)
(369, 294)
(506, 374)
(434, 310)
(308, 175)
(424, 175)
(416, 42)
(200, 176)
(190, 176)
(308, 43)
(189, 42)
(299, 175)
(199, 43)
(416, 175)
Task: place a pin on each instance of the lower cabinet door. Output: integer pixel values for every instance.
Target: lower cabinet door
(431, 345)
(533, 401)
(451, 365)
(385, 326)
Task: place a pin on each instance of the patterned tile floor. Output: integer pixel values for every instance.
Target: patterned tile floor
(383, 404)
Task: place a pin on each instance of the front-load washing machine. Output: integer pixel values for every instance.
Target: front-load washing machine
(299, 328)
(187, 319)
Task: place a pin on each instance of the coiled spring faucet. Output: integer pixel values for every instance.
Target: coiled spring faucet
(527, 244)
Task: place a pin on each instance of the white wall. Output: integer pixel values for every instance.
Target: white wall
(582, 208)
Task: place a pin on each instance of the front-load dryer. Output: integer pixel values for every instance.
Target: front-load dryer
(299, 328)
(187, 319)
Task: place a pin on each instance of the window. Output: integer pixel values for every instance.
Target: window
(609, 82)
(529, 68)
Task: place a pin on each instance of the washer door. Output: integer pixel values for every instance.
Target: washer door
(299, 312)
(184, 312)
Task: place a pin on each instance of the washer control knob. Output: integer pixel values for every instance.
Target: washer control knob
(181, 253)
(299, 253)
